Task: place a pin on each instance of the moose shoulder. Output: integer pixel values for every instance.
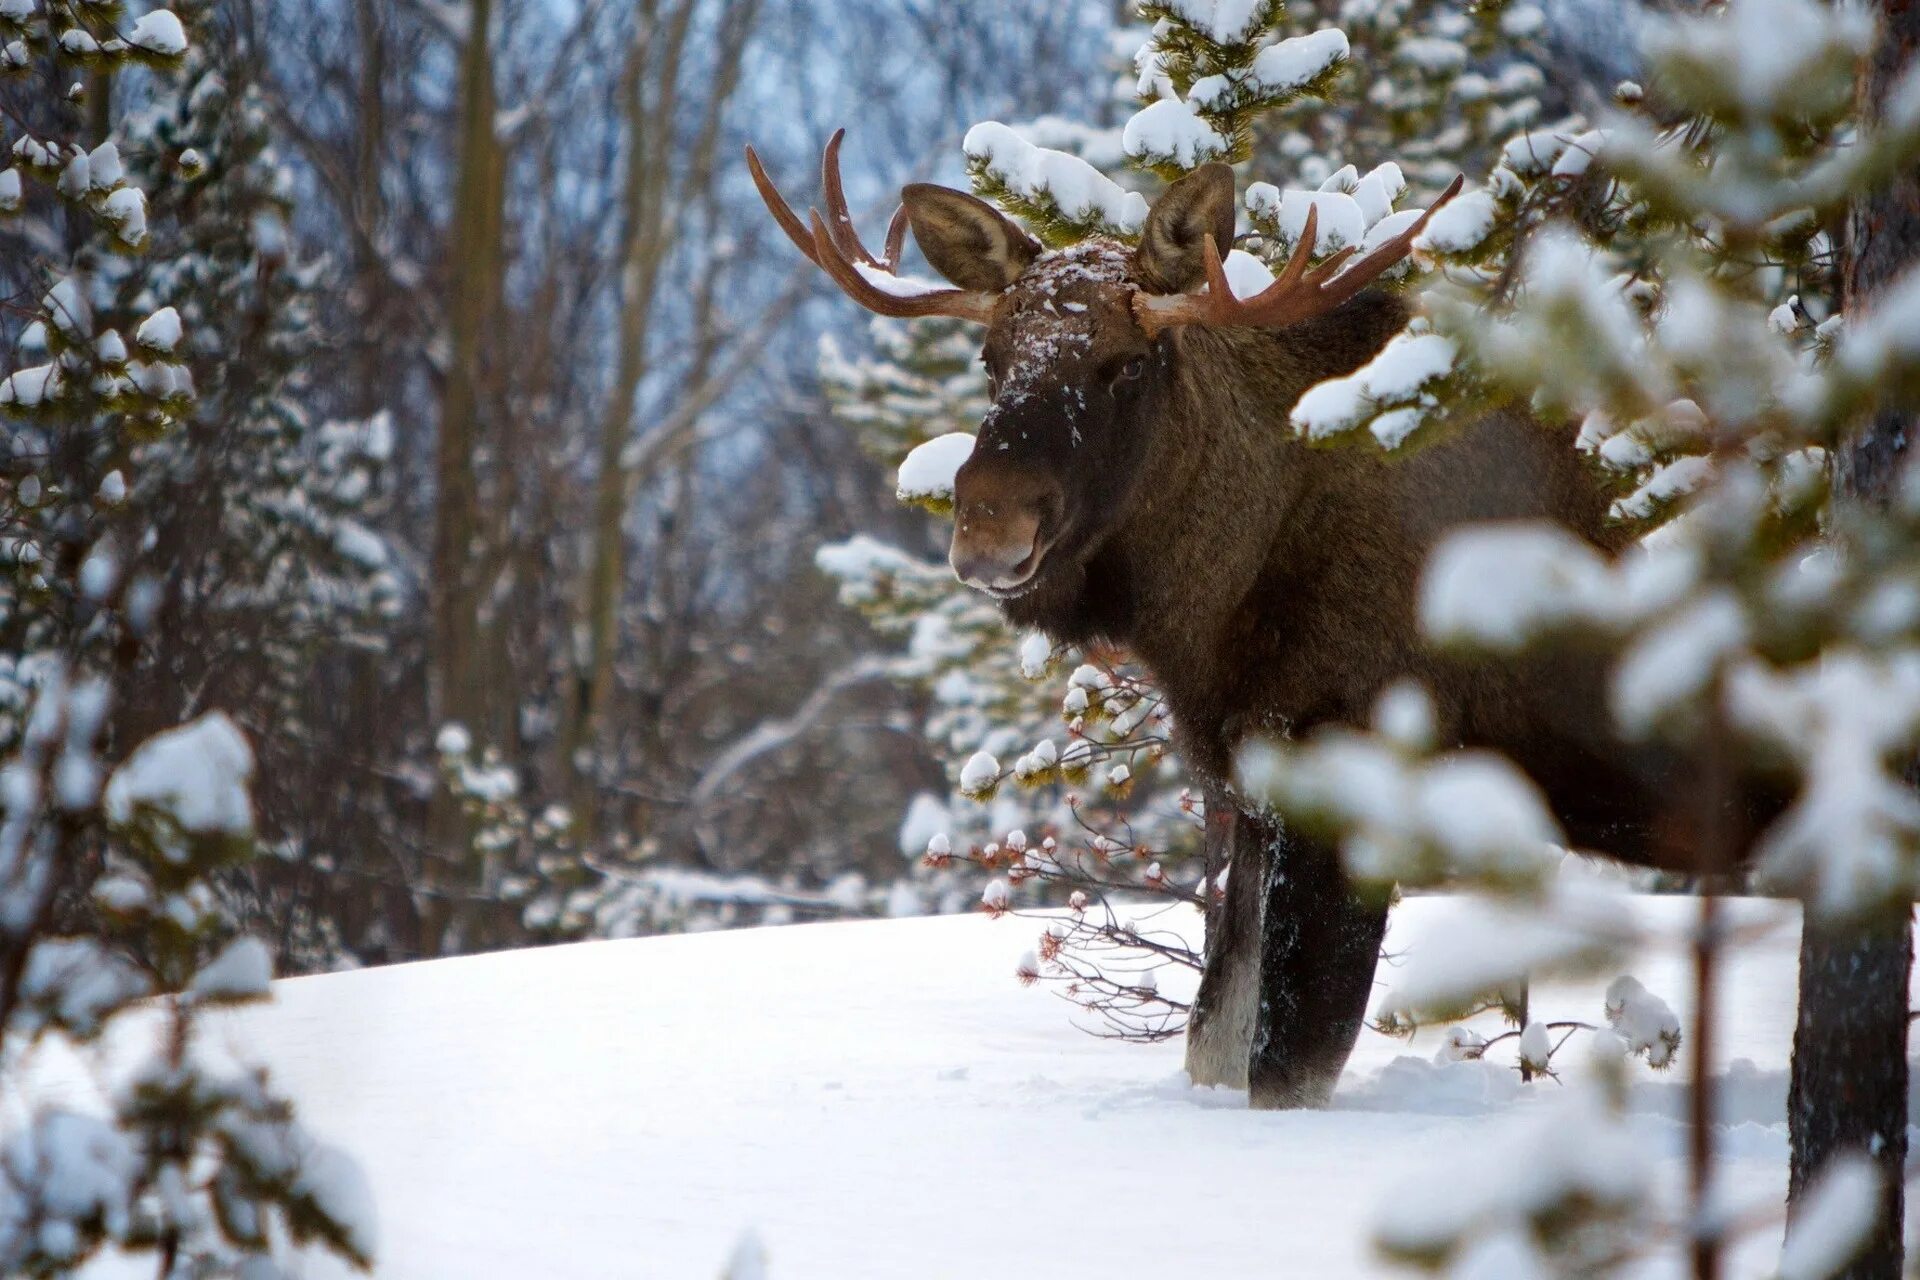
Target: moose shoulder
(1136, 481)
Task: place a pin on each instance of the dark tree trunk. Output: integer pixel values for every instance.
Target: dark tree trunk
(1849, 1086)
(1319, 942)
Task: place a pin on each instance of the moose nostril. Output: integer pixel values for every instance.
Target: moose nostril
(973, 567)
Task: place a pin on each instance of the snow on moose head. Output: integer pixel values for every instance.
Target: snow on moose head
(1089, 380)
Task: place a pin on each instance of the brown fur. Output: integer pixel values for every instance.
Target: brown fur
(1152, 493)
(1271, 586)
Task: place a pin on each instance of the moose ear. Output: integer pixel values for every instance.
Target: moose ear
(1169, 259)
(966, 239)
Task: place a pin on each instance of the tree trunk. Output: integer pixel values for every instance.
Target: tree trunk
(474, 267)
(1848, 1092)
(1849, 1085)
(664, 180)
(458, 692)
(649, 92)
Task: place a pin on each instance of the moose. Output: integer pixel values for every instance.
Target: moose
(1136, 482)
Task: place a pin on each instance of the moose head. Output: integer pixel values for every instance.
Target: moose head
(1078, 350)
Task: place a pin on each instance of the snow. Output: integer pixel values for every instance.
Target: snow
(833, 1088)
(1673, 662)
(1246, 274)
(1643, 1020)
(1463, 947)
(1404, 714)
(104, 169)
(360, 544)
(1080, 191)
(1171, 131)
(10, 194)
(1341, 221)
(1460, 225)
(76, 983)
(99, 571)
(1497, 584)
(1435, 55)
(126, 209)
(241, 972)
(159, 31)
(334, 1181)
(1844, 841)
(75, 1170)
(1291, 64)
(1668, 484)
(1376, 193)
(1536, 1046)
(1345, 178)
(1097, 146)
(748, 1260)
(159, 331)
(67, 304)
(979, 773)
(1525, 1171)
(196, 774)
(1765, 52)
(1221, 21)
(898, 286)
(1401, 372)
(1036, 651)
(1579, 154)
(1460, 1044)
(926, 820)
(1533, 152)
(30, 388)
(928, 471)
(1035, 765)
(1833, 1222)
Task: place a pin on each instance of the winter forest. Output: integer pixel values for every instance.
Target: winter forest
(748, 638)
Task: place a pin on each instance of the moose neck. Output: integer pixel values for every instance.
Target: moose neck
(1213, 512)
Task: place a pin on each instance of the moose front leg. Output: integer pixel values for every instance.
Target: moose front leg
(1220, 1031)
(1319, 942)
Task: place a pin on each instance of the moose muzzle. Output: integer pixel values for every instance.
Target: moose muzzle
(1003, 517)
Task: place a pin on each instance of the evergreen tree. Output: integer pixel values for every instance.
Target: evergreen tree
(109, 851)
(1673, 287)
(260, 521)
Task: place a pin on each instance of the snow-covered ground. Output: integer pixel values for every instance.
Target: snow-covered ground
(883, 1099)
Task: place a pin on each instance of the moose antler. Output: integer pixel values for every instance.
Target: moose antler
(1296, 294)
(834, 246)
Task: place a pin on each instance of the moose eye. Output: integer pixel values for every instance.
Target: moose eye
(1132, 368)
